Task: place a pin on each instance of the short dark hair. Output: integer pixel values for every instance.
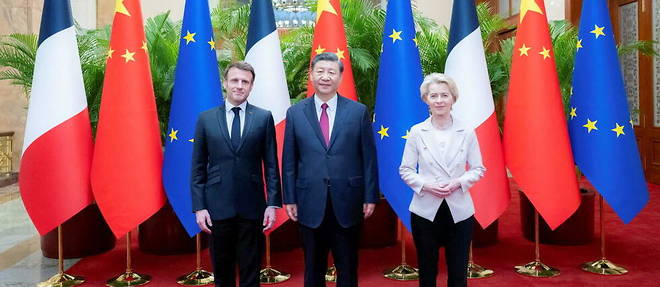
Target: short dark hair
(241, 65)
(327, 56)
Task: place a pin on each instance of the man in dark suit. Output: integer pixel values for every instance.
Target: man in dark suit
(234, 150)
(330, 173)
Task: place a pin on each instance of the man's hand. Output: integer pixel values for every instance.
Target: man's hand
(292, 211)
(269, 218)
(368, 209)
(203, 220)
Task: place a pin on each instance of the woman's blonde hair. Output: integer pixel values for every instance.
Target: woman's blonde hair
(438, 78)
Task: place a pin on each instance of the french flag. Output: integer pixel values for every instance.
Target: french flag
(466, 64)
(57, 150)
(270, 90)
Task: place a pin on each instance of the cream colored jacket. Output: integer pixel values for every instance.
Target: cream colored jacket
(422, 163)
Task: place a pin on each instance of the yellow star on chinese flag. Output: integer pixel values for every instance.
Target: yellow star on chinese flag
(598, 31)
(212, 44)
(573, 113)
(121, 8)
(110, 51)
(190, 37)
(578, 45)
(523, 50)
(590, 125)
(383, 132)
(545, 53)
(528, 5)
(395, 35)
(340, 54)
(324, 6)
(128, 56)
(407, 135)
(173, 136)
(618, 130)
(319, 50)
(144, 47)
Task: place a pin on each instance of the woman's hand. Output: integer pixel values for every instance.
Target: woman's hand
(436, 189)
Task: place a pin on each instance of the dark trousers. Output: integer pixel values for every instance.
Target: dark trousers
(343, 242)
(236, 240)
(430, 236)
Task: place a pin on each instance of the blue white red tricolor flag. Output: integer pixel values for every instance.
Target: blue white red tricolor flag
(270, 90)
(466, 65)
(57, 149)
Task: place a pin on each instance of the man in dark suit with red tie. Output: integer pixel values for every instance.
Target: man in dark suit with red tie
(330, 173)
(234, 150)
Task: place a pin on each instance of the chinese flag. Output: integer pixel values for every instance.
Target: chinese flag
(329, 36)
(127, 163)
(536, 143)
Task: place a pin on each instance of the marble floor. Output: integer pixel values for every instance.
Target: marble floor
(21, 261)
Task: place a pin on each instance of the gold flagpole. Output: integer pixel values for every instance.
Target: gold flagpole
(129, 278)
(603, 266)
(270, 275)
(475, 270)
(61, 279)
(403, 272)
(199, 277)
(536, 268)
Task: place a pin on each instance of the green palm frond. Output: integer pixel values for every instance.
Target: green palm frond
(17, 53)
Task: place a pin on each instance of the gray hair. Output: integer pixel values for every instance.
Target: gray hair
(438, 78)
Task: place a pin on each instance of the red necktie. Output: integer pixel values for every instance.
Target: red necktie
(325, 123)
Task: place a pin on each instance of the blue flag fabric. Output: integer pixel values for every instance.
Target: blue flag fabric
(601, 130)
(196, 89)
(398, 102)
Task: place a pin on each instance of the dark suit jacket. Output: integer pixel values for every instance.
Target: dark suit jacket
(229, 182)
(346, 170)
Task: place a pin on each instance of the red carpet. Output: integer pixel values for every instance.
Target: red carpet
(635, 246)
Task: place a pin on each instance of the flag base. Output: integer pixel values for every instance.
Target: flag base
(475, 271)
(198, 277)
(403, 272)
(129, 279)
(331, 274)
(62, 280)
(603, 267)
(270, 275)
(537, 269)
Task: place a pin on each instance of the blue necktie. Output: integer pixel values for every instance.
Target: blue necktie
(236, 128)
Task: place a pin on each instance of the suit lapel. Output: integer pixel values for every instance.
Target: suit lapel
(340, 115)
(427, 139)
(222, 122)
(249, 118)
(310, 113)
(456, 143)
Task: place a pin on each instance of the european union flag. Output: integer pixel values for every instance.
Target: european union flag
(196, 89)
(601, 130)
(398, 102)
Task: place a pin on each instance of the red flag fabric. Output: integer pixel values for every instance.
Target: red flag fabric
(329, 36)
(128, 158)
(536, 143)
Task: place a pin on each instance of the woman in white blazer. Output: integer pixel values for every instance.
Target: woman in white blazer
(441, 161)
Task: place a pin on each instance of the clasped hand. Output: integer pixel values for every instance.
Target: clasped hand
(441, 189)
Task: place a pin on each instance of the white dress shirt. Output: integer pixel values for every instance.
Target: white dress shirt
(331, 110)
(425, 162)
(230, 115)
